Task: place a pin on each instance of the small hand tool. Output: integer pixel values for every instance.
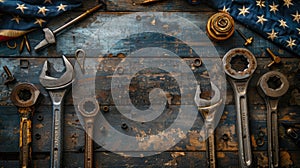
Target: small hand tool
(57, 88)
(26, 43)
(276, 59)
(50, 36)
(24, 96)
(88, 108)
(239, 65)
(248, 41)
(208, 110)
(10, 78)
(271, 86)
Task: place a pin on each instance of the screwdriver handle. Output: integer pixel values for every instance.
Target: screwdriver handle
(77, 18)
(25, 141)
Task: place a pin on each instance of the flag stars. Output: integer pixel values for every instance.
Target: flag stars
(1, 1)
(16, 19)
(40, 22)
(43, 10)
(296, 17)
(273, 8)
(261, 19)
(21, 7)
(291, 43)
(298, 30)
(260, 3)
(282, 23)
(61, 7)
(287, 3)
(225, 9)
(272, 35)
(243, 11)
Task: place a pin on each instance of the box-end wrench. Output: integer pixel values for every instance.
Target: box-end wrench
(88, 108)
(271, 86)
(239, 65)
(24, 96)
(208, 110)
(57, 88)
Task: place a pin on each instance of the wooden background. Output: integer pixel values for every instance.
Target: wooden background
(189, 152)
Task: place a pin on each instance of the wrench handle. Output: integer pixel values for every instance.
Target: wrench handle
(273, 144)
(243, 130)
(25, 142)
(211, 151)
(88, 153)
(57, 127)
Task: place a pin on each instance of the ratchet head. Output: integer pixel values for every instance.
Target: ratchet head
(57, 83)
(239, 63)
(273, 84)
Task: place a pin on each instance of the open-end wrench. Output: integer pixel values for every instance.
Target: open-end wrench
(88, 108)
(208, 110)
(24, 96)
(57, 88)
(239, 65)
(271, 86)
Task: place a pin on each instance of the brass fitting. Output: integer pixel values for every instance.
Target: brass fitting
(220, 26)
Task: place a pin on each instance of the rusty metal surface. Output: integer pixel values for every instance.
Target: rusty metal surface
(190, 152)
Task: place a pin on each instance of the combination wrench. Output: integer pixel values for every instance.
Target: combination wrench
(57, 88)
(208, 110)
(239, 65)
(271, 86)
(88, 108)
(24, 96)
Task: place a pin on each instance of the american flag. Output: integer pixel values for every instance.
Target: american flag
(276, 20)
(18, 17)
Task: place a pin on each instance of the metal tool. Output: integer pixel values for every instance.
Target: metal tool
(271, 86)
(220, 26)
(10, 78)
(276, 59)
(208, 110)
(26, 43)
(50, 36)
(239, 65)
(57, 88)
(248, 41)
(88, 108)
(79, 52)
(24, 96)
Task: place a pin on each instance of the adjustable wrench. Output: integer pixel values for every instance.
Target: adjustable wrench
(271, 86)
(208, 110)
(239, 78)
(24, 96)
(88, 108)
(57, 88)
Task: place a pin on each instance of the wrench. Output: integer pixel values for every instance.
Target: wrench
(88, 108)
(208, 110)
(271, 86)
(57, 88)
(24, 96)
(239, 78)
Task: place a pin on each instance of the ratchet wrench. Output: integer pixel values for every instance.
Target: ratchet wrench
(239, 65)
(208, 110)
(271, 86)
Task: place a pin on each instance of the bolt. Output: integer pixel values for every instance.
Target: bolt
(276, 59)
(40, 118)
(10, 78)
(106, 109)
(248, 41)
(124, 126)
(37, 136)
